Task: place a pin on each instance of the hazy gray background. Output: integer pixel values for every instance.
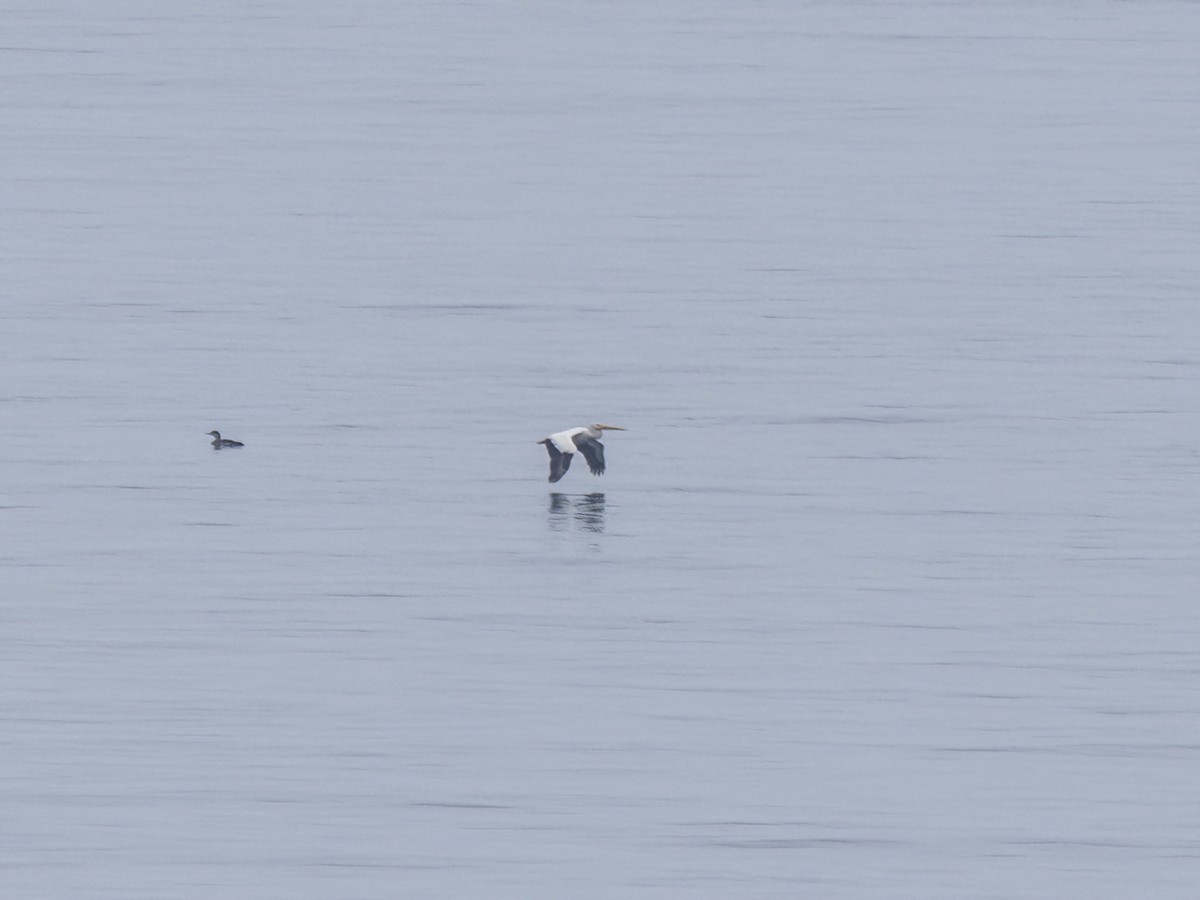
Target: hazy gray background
(891, 588)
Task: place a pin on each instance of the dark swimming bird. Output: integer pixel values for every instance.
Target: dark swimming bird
(562, 445)
(219, 442)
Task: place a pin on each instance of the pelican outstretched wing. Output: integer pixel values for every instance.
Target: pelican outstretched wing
(559, 461)
(593, 452)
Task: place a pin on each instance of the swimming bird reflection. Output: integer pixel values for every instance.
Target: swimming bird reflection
(586, 511)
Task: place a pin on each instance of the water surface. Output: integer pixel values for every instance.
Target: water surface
(888, 591)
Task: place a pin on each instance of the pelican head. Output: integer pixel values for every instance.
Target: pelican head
(599, 427)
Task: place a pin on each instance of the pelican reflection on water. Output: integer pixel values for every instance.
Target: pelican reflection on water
(585, 510)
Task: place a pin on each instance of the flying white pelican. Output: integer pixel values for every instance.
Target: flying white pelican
(562, 445)
(219, 442)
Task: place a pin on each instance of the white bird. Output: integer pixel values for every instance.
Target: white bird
(562, 445)
(219, 442)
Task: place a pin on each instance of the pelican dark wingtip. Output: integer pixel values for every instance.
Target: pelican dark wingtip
(559, 461)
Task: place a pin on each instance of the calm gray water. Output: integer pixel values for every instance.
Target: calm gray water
(889, 591)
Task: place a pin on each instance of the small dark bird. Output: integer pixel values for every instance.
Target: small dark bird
(562, 445)
(219, 442)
